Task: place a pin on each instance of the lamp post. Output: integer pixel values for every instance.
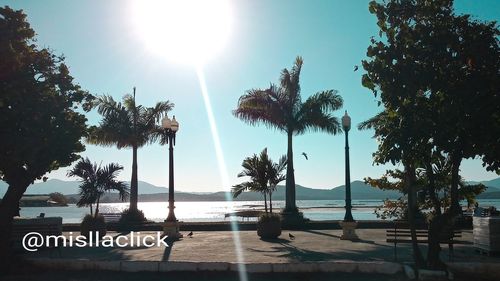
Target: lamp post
(348, 224)
(171, 227)
(346, 124)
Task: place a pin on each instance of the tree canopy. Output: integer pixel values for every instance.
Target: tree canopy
(41, 114)
(436, 74)
(41, 126)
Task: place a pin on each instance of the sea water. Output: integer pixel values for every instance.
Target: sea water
(205, 211)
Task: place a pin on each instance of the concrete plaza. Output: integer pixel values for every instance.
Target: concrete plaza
(307, 247)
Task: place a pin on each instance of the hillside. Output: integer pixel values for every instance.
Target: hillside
(71, 187)
(359, 191)
(151, 193)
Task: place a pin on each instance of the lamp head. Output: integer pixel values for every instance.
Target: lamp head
(174, 125)
(346, 122)
(166, 123)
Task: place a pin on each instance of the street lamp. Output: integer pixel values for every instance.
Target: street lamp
(346, 124)
(348, 224)
(171, 227)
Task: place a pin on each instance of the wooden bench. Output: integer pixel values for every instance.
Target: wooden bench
(401, 233)
(44, 226)
(111, 217)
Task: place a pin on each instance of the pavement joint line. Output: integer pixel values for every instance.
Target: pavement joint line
(347, 266)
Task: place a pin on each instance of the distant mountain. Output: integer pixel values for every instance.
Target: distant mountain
(490, 183)
(359, 191)
(150, 193)
(71, 187)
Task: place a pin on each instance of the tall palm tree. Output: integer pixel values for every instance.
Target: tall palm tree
(281, 107)
(95, 181)
(127, 125)
(264, 176)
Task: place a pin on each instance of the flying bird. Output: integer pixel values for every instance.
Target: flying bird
(305, 155)
(190, 235)
(291, 236)
(355, 68)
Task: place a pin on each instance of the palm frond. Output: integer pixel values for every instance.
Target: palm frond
(276, 172)
(372, 122)
(107, 105)
(317, 121)
(315, 113)
(240, 188)
(262, 106)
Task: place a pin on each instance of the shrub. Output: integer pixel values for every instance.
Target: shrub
(93, 224)
(130, 219)
(131, 216)
(269, 226)
(270, 217)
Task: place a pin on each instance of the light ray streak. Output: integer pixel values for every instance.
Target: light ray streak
(223, 172)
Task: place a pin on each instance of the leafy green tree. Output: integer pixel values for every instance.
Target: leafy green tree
(59, 198)
(95, 181)
(264, 175)
(281, 107)
(127, 125)
(433, 192)
(41, 123)
(437, 76)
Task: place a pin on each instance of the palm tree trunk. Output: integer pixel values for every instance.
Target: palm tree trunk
(133, 181)
(91, 209)
(270, 202)
(97, 206)
(265, 202)
(290, 206)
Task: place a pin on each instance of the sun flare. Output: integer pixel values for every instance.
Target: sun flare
(184, 31)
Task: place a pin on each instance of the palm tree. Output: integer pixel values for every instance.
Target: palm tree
(264, 176)
(281, 107)
(127, 125)
(254, 167)
(95, 181)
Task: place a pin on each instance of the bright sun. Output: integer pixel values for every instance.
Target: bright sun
(185, 31)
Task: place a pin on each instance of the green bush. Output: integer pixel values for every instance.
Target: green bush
(59, 198)
(269, 226)
(93, 224)
(270, 217)
(130, 216)
(131, 220)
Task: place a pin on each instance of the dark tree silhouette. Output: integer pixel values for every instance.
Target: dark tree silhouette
(40, 121)
(437, 76)
(128, 125)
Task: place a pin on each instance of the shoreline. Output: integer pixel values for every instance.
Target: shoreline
(247, 225)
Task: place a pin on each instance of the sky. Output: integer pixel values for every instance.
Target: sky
(108, 54)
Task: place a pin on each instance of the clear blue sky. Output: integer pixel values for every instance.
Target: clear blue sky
(106, 57)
